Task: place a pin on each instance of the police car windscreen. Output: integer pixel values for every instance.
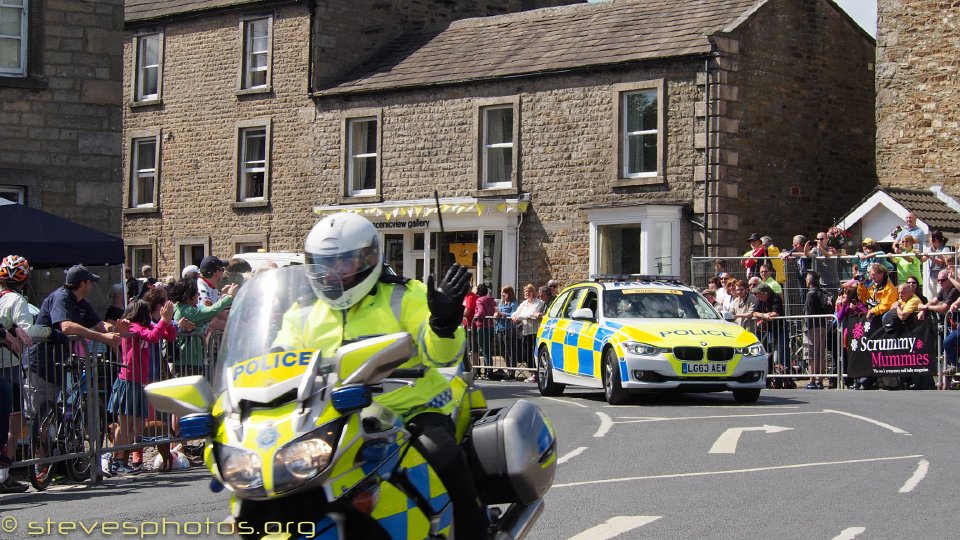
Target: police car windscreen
(651, 303)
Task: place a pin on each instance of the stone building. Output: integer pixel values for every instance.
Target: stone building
(560, 141)
(918, 94)
(60, 117)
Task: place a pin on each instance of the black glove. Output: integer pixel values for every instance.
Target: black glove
(445, 300)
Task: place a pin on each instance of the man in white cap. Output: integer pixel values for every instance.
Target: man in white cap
(190, 272)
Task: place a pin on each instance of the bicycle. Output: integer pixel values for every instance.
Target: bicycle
(62, 430)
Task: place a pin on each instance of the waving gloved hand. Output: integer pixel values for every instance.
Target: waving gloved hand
(445, 300)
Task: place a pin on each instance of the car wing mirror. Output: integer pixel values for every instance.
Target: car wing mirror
(370, 360)
(583, 314)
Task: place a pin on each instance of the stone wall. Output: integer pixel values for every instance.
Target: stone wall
(198, 121)
(918, 93)
(795, 125)
(60, 125)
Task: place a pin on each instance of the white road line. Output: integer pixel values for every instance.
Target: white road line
(605, 424)
(736, 471)
(849, 533)
(744, 407)
(871, 420)
(640, 419)
(614, 527)
(572, 454)
(922, 467)
(565, 401)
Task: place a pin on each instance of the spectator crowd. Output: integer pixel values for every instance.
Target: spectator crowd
(800, 322)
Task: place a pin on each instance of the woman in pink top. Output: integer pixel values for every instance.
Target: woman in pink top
(483, 324)
(128, 400)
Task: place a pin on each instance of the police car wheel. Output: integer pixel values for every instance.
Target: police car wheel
(612, 390)
(746, 395)
(545, 375)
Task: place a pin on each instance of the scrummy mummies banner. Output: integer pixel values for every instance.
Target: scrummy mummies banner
(871, 351)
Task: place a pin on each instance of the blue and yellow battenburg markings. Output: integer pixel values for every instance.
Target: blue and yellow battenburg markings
(577, 346)
(270, 368)
(399, 514)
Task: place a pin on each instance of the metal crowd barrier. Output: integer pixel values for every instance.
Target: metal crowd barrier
(58, 411)
(497, 349)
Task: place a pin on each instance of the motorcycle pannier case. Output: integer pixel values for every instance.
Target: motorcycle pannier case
(513, 454)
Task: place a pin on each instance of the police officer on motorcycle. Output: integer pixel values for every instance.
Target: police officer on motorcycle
(358, 299)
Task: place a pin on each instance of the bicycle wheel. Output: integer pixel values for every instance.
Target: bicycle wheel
(43, 443)
(75, 440)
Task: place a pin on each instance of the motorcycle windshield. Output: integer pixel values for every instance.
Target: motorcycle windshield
(261, 346)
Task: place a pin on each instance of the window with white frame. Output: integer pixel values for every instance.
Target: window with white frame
(639, 144)
(138, 256)
(13, 38)
(191, 254)
(14, 194)
(362, 156)
(149, 53)
(253, 163)
(143, 172)
(248, 247)
(635, 240)
(256, 53)
(497, 155)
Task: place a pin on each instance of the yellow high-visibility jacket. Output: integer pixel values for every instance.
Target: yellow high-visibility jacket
(884, 296)
(389, 308)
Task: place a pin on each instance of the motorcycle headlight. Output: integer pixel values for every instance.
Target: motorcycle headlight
(643, 349)
(301, 460)
(753, 350)
(305, 459)
(240, 468)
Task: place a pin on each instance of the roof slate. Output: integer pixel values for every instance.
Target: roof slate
(928, 208)
(145, 10)
(547, 40)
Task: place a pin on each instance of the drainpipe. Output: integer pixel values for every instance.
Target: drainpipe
(706, 159)
(517, 261)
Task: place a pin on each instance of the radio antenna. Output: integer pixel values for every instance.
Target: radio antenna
(436, 199)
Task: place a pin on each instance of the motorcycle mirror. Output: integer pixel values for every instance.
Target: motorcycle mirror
(181, 396)
(370, 360)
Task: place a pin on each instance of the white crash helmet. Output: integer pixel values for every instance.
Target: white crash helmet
(344, 253)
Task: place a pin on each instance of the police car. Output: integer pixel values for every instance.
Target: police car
(626, 333)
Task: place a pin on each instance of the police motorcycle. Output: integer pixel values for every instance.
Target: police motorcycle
(307, 450)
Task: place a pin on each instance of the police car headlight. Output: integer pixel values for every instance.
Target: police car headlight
(753, 350)
(240, 468)
(643, 349)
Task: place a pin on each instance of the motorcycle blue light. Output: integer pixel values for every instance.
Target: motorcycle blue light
(351, 398)
(373, 451)
(196, 426)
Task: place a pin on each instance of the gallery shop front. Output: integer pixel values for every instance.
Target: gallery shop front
(480, 234)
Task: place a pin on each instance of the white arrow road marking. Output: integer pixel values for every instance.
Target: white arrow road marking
(605, 424)
(614, 527)
(727, 442)
(572, 454)
(922, 467)
(871, 420)
(849, 533)
(565, 402)
(736, 471)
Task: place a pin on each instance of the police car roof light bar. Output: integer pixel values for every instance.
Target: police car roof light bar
(634, 277)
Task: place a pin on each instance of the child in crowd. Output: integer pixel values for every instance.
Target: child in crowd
(128, 400)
